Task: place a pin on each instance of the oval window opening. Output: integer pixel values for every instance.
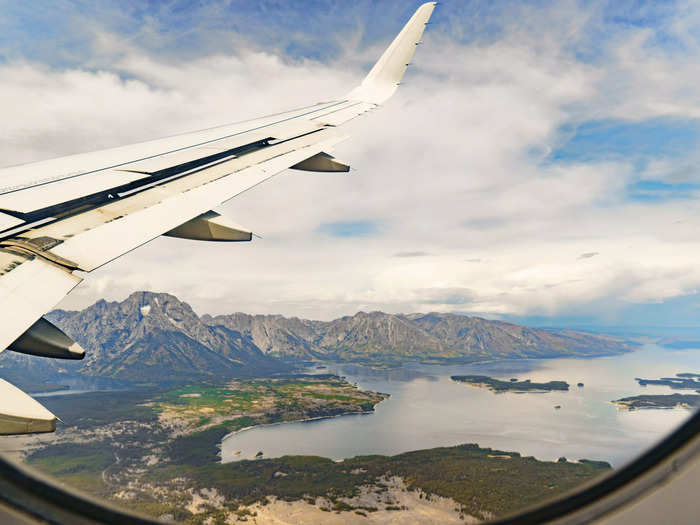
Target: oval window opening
(476, 295)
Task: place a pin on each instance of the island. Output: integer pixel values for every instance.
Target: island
(498, 386)
(662, 401)
(261, 401)
(682, 381)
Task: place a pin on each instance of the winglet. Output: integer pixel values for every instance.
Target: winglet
(382, 80)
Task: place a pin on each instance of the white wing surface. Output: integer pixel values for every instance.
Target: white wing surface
(79, 212)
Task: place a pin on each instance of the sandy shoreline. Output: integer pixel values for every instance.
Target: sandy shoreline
(396, 506)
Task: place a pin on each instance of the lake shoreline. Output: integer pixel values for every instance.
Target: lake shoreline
(407, 362)
(428, 409)
(291, 421)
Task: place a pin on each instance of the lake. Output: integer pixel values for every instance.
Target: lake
(427, 409)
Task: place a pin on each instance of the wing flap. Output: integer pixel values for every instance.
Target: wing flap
(29, 287)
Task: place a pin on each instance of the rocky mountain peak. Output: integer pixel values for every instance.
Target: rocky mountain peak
(155, 336)
(149, 330)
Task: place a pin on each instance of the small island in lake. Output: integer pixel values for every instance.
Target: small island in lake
(682, 381)
(659, 401)
(496, 385)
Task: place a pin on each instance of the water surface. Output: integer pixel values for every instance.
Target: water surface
(426, 409)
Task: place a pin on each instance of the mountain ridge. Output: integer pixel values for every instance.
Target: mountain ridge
(432, 335)
(155, 337)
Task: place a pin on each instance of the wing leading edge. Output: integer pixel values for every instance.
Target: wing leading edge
(83, 211)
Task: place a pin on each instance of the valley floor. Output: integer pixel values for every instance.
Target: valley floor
(156, 452)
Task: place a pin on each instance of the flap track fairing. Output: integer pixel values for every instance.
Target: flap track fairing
(21, 414)
(322, 162)
(44, 339)
(211, 226)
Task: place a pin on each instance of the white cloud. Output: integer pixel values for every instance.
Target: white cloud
(447, 167)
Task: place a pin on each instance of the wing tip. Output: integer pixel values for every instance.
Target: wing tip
(386, 74)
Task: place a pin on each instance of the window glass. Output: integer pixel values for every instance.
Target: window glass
(498, 303)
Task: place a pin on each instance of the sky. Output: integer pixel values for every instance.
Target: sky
(539, 163)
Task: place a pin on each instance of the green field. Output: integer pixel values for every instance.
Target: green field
(279, 399)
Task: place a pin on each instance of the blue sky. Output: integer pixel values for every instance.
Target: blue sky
(350, 229)
(650, 138)
(636, 142)
(59, 33)
(527, 134)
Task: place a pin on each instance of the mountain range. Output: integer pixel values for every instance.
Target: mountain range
(156, 338)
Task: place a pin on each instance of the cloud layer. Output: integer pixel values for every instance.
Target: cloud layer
(478, 188)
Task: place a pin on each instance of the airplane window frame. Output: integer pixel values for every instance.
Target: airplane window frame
(40, 498)
(27, 496)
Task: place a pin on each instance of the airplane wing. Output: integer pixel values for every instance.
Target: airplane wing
(77, 213)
